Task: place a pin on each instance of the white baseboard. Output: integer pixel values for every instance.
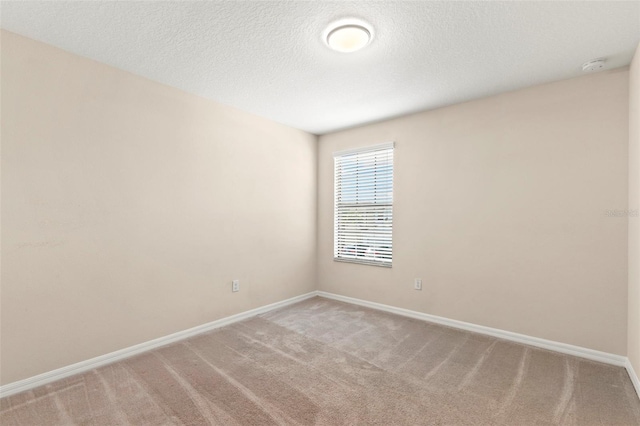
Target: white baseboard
(634, 377)
(564, 348)
(93, 363)
(591, 354)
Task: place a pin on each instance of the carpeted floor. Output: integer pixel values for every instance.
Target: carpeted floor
(329, 363)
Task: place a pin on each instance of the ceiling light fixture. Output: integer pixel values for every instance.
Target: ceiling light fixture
(348, 36)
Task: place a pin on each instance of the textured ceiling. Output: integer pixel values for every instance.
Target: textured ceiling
(269, 57)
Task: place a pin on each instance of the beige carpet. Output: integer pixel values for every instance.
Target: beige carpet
(330, 363)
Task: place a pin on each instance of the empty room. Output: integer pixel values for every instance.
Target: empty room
(320, 213)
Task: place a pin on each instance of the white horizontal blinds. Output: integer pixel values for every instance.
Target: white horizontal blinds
(364, 205)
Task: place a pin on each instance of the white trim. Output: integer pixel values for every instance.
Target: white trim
(564, 348)
(368, 148)
(93, 363)
(90, 364)
(634, 377)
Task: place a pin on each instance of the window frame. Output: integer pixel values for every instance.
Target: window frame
(371, 168)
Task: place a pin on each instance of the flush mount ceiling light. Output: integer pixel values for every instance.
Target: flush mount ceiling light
(348, 36)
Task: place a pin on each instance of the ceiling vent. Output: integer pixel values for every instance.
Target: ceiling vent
(594, 65)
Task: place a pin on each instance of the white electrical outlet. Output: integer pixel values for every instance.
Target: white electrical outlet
(417, 284)
(235, 285)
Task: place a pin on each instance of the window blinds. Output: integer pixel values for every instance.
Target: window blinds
(363, 197)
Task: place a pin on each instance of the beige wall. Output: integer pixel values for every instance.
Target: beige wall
(500, 209)
(128, 208)
(633, 339)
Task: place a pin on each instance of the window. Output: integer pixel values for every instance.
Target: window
(363, 198)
